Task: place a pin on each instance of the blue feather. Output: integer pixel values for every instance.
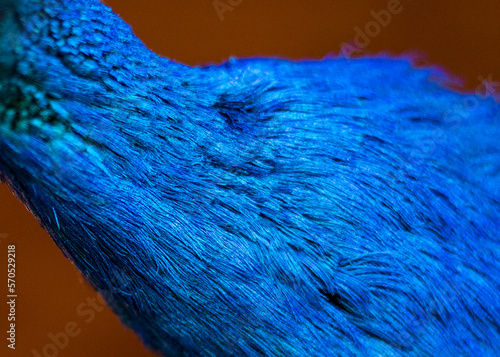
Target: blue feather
(262, 206)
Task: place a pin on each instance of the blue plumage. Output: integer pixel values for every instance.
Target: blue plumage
(260, 207)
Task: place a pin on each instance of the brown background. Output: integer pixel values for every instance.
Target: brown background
(462, 35)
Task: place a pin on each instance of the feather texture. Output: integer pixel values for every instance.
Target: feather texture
(260, 207)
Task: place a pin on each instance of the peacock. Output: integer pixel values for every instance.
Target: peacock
(258, 207)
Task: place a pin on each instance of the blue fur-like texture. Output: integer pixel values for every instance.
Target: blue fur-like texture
(261, 207)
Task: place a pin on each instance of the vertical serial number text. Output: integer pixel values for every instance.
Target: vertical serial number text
(11, 296)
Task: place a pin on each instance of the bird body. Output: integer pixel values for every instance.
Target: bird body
(259, 207)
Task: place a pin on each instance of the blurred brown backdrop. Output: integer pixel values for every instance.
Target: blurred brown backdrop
(462, 35)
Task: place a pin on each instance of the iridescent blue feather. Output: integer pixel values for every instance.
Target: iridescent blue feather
(260, 207)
